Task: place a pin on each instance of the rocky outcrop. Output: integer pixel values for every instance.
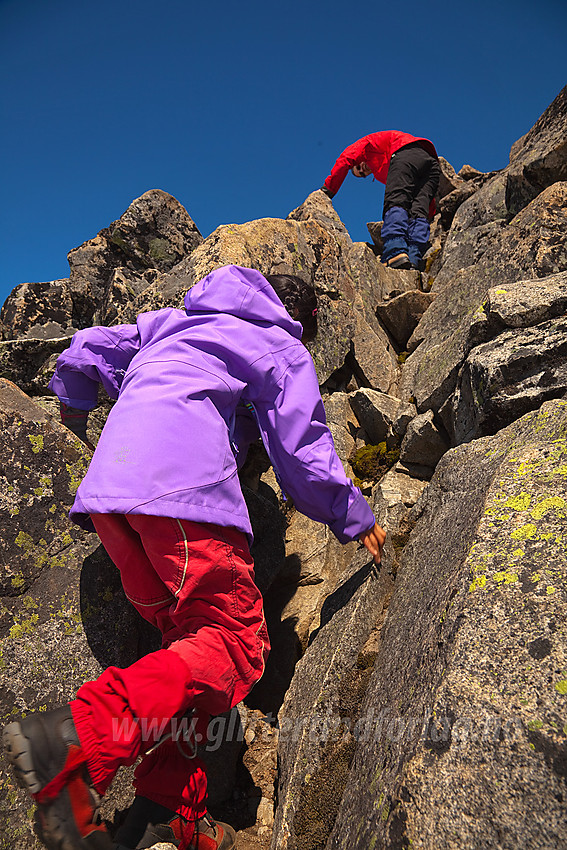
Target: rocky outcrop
(539, 158)
(531, 246)
(465, 710)
(106, 272)
(516, 358)
(421, 703)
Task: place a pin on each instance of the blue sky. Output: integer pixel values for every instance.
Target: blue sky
(239, 110)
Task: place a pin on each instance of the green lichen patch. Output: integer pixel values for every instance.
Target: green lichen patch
(24, 541)
(76, 471)
(520, 502)
(17, 581)
(505, 577)
(525, 532)
(477, 583)
(36, 441)
(160, 250)
(551, 503)
(24, 626)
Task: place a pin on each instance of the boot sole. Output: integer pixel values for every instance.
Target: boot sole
(56, 820)
(18, 751)
(401, 265)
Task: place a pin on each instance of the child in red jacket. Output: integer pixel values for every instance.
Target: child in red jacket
(409, 167)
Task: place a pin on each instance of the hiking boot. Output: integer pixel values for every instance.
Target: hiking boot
(148, 823)
(400, 261)
(46, 755)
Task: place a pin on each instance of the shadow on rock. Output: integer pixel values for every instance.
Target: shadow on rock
(117, 635)
(343, 594)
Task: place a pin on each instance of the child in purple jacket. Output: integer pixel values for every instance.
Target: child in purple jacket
(162, 492)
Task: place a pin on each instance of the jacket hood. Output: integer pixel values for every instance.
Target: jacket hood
(241, 292)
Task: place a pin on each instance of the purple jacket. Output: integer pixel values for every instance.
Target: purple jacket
(179, 377)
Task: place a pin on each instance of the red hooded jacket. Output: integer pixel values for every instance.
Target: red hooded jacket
(376, 150)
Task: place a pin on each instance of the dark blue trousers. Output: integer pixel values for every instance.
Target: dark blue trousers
(413, 178)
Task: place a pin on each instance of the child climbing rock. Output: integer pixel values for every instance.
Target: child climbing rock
(409, 167)
(193, 387)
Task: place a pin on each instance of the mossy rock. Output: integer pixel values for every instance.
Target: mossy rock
(370, 463)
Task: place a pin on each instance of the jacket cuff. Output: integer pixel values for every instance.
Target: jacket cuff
(359, 519)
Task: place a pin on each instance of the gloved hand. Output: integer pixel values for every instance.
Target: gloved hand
(327, 192)
(76, 421)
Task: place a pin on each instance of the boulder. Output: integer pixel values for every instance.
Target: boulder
(375, 231)
(404, 415)
(402, 314)
(527, 302)
(423, 443)
(375, 411)
(371, 358)
(38, 311)
(155, 232)
(397, 488)
(509, 376)
(469, 172)
(461, 739)
(449, 180)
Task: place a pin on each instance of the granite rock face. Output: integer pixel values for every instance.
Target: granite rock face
(465, 711)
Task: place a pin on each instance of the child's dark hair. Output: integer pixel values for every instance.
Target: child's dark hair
(299, 299)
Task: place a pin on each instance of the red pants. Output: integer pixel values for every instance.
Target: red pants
(195, 582)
